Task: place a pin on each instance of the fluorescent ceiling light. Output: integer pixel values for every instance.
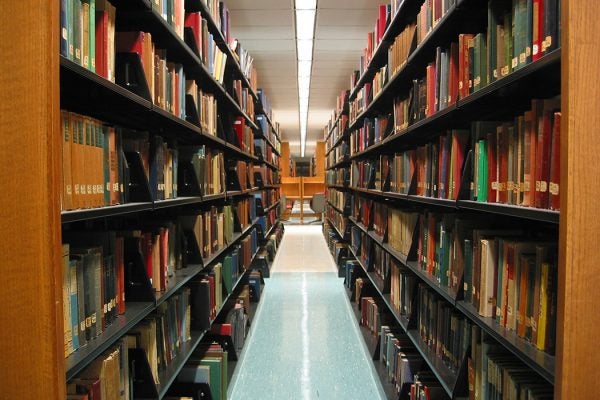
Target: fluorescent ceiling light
(305, 49)
(306, 4)
(305, 24)
(304, 68)
(306, 11)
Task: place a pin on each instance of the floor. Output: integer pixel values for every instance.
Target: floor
(304, 342)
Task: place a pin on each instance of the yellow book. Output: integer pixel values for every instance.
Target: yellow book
(543, 318)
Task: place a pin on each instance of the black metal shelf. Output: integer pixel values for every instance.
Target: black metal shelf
(542, 363)
(341, 236)
(169, 374)
(271, 229)
(340, 211)
(336, 186)
(445, 375)
(342, 163)
(197, 5)
(238, 193)
(531, 213)
(537, 214)
(102, 212)
(270, 165)
(134, 313)
(182, 201)
(380, 54)
(272, 206)
(258, 134)
(177, 281)
(337, 142)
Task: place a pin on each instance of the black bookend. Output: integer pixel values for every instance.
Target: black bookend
(125, 178)
(258, 153)
(467, 176)
(197, 391)
(261, 265)
(226, 342)
(258, 180)
(377, 349)
(260, 210)
(191, 110)
(138, 187)
(414, 245)
(233, 181)
(190, 40)
(141, 375)
(461, 385)
(137, 281)
(412, 188)
(188, 183)
(200, 305)
(129, 73)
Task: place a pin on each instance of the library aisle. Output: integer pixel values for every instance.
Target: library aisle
(304, 342)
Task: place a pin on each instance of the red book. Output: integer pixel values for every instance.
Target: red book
(213, 307)
(544, 138)
(381, 22)
(369, 53)
(102, 43)
(463, 64)
(120, 262)
(430, 81)
(554, 185)
(492, 167)
(538, 28)
(454, 77)
(164, 257)
(221, 329)
(194, 22)
(238, 126)
(459, 143)
(502, 160)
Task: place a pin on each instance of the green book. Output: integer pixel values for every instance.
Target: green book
(77, 32)
(528, 31)
(70, 38)
(508, 44)
(105, 163)
(482, 177)
(216, 376)
(477, 62)
(228, 273)
(92, 37)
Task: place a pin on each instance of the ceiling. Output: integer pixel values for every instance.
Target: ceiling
(266, 29)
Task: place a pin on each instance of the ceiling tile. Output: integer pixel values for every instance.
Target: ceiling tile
(255, 17)
(244, 5)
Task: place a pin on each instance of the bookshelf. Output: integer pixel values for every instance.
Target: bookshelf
(560, 71)
(35, 348)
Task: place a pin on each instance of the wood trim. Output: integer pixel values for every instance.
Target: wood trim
(31, 329)
(284, 161)
(578, 323)
(320, 160)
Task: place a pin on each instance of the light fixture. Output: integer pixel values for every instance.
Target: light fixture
(306, 11)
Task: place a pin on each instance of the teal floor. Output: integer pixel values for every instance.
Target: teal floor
(304, 342)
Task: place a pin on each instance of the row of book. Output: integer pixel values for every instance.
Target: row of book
(373, 131)
(269, 134)
(374, 38)
(87, 35)
(404, 366)
(516, 35)
(338, 154)
(514, 163)
(213, 229)
(339, 130)
(339, 221)
(244, 135)
(205, 105)
(203, 171)
(165, 79)
(495, 374)
(504, 274)
(341, 200)
(433, 170)
(518, 162)
(265, 152)
(108, 376)
(208, 365)
(339, 176)
(265, 176)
